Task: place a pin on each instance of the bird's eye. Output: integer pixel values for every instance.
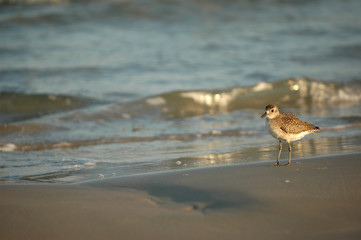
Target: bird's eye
(272, 110)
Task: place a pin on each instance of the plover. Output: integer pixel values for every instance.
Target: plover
(285, 126)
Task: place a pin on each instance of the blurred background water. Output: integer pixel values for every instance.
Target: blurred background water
(116, 87)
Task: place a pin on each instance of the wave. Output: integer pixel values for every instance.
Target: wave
(302, 93)
(20, 106)
(291, 93)
(11, 147)
(294, 92)
(24, 147)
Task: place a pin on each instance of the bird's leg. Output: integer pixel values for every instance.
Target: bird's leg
(279, 155)
(289, 153)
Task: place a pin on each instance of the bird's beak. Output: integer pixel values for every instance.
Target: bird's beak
(264, 114)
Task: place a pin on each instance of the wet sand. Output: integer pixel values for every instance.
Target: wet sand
(315, 198)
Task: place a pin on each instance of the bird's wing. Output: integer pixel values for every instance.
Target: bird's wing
(291, 124)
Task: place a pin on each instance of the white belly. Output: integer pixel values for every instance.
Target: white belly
(279, 134)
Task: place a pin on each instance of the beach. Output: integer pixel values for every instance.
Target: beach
(314, 198)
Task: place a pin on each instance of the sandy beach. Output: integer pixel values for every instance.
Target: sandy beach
(315, 198)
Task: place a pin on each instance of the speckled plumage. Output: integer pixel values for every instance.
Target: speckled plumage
(287, 127)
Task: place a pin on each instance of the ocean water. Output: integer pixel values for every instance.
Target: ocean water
(100, 88)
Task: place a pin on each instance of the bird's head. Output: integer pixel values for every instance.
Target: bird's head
(271, 111)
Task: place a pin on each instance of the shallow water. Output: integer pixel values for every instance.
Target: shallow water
(125, 87)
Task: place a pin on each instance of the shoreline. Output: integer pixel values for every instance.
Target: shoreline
(261, 163)
(314, 198)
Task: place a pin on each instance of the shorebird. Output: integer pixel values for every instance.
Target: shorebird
(286, 127)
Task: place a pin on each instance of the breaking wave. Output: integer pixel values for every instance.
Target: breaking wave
(295, 92)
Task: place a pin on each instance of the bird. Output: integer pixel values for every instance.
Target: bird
(286, 127)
